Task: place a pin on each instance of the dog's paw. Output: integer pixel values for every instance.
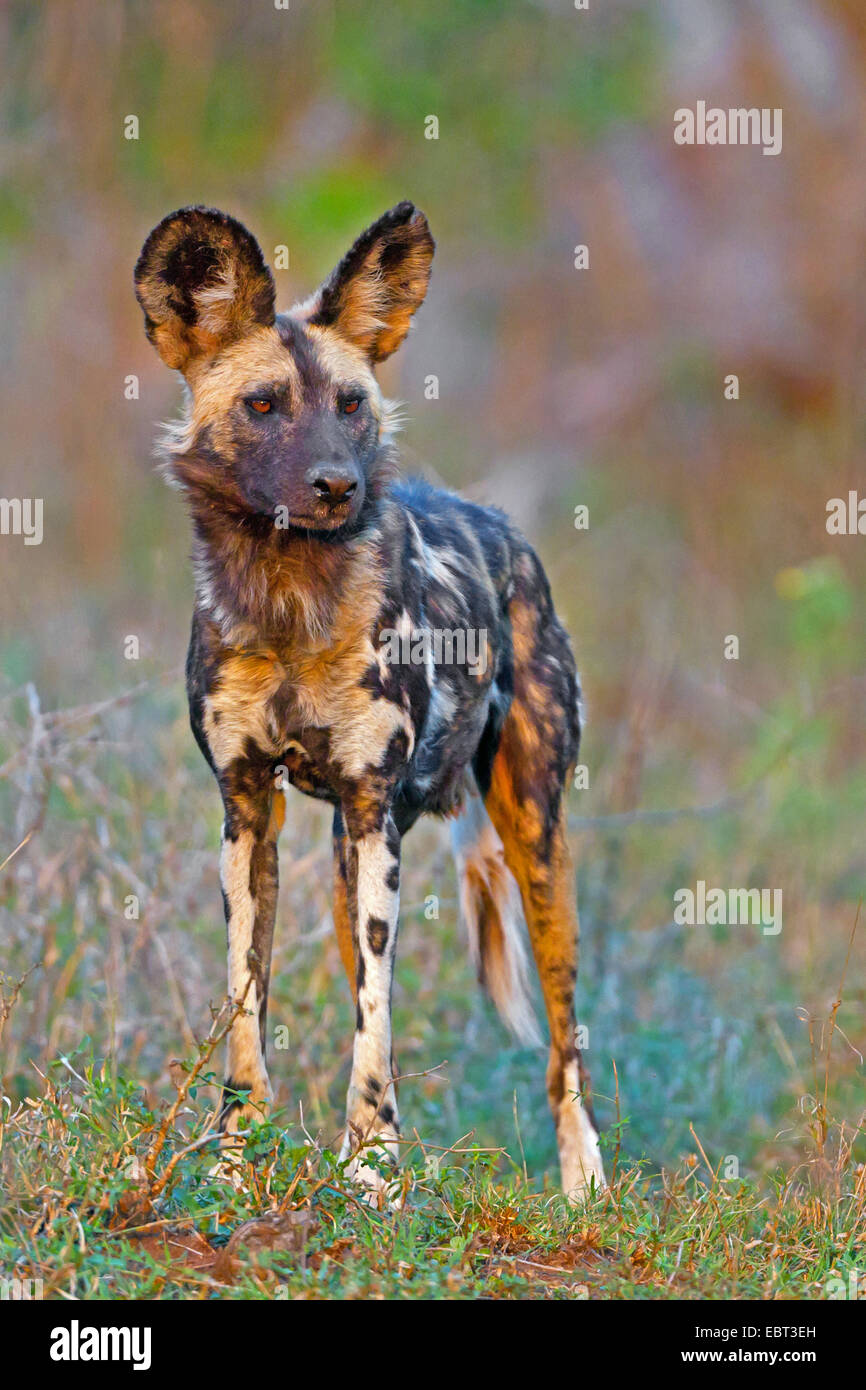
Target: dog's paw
(229, 1171)
(579, 1153)
(583, 1176)
(373, 1167)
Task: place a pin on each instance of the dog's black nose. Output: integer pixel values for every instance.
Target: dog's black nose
(333, 483)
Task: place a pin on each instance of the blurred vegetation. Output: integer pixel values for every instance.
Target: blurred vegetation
(557, 388)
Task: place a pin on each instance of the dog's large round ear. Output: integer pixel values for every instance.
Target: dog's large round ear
(202, 282)
(371, 296)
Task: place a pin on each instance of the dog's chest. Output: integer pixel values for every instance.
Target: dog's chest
(319, 718)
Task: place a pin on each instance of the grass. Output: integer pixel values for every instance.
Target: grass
(108, 1198)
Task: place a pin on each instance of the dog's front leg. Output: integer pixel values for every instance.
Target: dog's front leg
(373, 896)
(249, 879)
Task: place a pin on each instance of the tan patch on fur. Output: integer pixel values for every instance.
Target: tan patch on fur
(259, 358)
(237, 708)
(341, 359)
(328, 676)
(343, 926)
(375, 304)
(524, 619)
(278, 815)
(369, 316)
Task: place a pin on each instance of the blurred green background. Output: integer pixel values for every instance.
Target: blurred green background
(557, 387)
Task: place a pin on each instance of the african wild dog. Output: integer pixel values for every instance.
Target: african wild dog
(307, 550)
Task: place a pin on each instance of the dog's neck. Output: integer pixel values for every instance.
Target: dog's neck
(264, 587)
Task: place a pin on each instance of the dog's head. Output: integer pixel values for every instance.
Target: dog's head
(285, 418)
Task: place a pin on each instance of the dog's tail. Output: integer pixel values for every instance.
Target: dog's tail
(490, 907)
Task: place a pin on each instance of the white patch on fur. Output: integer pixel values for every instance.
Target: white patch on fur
(358, 745)
(393, 416)
(371, 1055)
(212, 300)
(435, 565)
(480, 862)
(443, 705)
(375, 899)
(581, 708)
(579, 1153)
(228, 735)
(245, 1061)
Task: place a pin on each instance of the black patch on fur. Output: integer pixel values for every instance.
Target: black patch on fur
(189, 267)
(392, 838)
(230, 1100)
(378, 932)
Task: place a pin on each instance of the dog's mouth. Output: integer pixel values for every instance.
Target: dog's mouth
(326, 519)
(267, 520)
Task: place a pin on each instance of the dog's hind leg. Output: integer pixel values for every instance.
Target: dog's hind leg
(522, 783)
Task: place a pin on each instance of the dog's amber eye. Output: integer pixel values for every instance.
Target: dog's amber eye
(260, 405)
(351, 406)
